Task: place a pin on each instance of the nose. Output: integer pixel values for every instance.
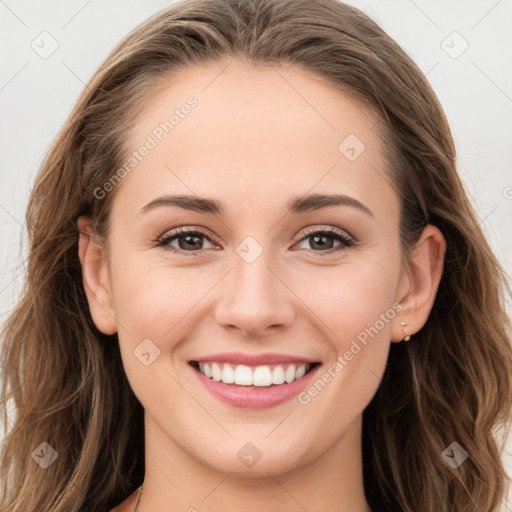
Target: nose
(255, 299)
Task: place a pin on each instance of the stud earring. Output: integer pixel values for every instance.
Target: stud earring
(407, 336)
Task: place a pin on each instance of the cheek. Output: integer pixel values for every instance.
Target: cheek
(349, 300)
(156, 300)
(354, 306)
(157, 306)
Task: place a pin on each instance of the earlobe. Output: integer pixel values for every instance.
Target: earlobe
(423, 275)
(95, 278)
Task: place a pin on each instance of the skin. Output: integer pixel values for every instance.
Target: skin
(258, 136)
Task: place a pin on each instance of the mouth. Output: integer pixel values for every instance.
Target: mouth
(254, 381)
(256, 377)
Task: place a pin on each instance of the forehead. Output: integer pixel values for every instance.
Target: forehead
(262, 133)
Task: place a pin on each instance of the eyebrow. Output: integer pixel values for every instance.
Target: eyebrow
(299, 204)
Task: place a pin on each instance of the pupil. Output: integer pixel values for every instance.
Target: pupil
(320, 239)
(189, 240)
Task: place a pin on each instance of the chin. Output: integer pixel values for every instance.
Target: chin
(274, 463)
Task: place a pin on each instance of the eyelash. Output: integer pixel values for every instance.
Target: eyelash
(341, 236)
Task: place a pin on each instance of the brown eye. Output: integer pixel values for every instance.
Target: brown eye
(324, 241)
(184, 240)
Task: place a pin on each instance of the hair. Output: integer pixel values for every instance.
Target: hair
(66, 381)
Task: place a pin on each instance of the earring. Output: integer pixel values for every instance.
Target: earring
(407, 336)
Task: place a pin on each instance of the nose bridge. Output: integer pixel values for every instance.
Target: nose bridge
(255, 298)
(252, 277)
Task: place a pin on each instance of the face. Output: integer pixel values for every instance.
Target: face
(272, 279)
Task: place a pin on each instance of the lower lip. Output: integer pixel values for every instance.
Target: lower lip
(249, 397)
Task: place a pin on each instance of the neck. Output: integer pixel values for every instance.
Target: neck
(176, 481)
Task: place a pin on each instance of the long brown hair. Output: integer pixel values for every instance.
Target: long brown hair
(65, 379)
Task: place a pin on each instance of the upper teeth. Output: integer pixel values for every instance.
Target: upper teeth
(253, 376)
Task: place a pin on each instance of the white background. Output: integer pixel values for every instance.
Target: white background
(37, 94)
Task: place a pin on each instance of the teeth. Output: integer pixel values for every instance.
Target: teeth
(261, 376)
(216, 372)
(278, 375)
(289, 374)
(301, 371)
(243, 375)
(228, 375)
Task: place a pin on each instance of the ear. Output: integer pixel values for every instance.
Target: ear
(419, 283)
(95, 277)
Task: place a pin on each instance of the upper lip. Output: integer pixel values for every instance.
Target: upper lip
(253, 360)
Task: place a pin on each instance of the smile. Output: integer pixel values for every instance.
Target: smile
(254, 382)
(258, 376)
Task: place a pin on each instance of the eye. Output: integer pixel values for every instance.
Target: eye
(188, 240)
(191, 241)
(323, 241)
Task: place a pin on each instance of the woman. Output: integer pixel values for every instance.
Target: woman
(255, 281)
